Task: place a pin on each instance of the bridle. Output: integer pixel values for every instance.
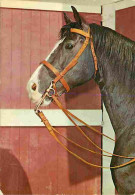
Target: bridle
(60, 75)
(51, 92)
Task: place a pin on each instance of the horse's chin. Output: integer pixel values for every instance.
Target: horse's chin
(46, 102)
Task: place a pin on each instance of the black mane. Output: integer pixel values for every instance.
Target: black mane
(115, 49)
(65, 30)
(112, 47)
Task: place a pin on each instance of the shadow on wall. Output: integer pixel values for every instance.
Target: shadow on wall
(79, 171)
(13, 179)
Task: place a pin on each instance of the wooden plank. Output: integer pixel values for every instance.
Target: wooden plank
(47, 163)
(13, 161)
(5, 57)
(79, 178)
(54, 27)
(64, 183)
(93, 186)
(35, 42)
(35, 39)
(4, 137)
(15, 141)
(27, 117)
(25, 57)
(10, 184)
(124, 20)
(45, 50)
(16, 58)
(37, 164)
(33, 169)
(24, 184)
(92, 18)
(13, 164)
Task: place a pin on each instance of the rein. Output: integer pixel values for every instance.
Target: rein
(52, 93)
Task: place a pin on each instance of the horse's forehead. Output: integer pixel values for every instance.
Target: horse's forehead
(55, 48)
(42, 72)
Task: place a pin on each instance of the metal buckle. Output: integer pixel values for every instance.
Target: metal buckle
(49, 92)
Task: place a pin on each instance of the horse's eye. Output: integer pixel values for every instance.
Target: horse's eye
(69, 46)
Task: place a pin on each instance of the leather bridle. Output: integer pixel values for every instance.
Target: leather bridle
(60, 75)
(52, 93)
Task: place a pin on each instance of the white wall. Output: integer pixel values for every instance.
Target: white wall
(48, 5)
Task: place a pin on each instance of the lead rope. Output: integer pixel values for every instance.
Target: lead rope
(52, 131)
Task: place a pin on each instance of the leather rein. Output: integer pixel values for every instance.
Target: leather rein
(52, 93)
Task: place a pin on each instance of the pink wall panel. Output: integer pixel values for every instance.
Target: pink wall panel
(16, 58)
(35, 41)
(45, 48)
(5, 57)
(33, 163)
(125, 20)
(38, 165)
(25, 57)
(27, 37)
(13, 164)
(80, 178)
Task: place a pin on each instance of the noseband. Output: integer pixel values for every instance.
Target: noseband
(60, 75)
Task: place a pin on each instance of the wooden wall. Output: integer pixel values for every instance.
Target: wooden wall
(125, 22)
(31, 162)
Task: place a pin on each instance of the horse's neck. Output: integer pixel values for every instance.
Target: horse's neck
(120, 104)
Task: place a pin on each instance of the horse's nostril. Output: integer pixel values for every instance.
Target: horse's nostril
(34, 86)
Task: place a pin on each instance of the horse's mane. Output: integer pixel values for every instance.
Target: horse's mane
(65, 30)
(117, 50)
(112, 47)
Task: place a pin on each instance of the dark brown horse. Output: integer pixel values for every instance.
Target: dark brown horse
(115, 77)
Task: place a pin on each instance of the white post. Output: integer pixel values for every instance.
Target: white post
(108, 17)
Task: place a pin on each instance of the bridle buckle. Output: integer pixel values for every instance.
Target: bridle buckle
(49, 92)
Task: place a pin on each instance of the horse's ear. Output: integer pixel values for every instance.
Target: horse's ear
(66, 18)
(76, 15)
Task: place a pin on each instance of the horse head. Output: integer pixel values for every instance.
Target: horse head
(63, 53)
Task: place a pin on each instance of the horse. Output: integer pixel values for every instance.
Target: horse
(115, 76)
